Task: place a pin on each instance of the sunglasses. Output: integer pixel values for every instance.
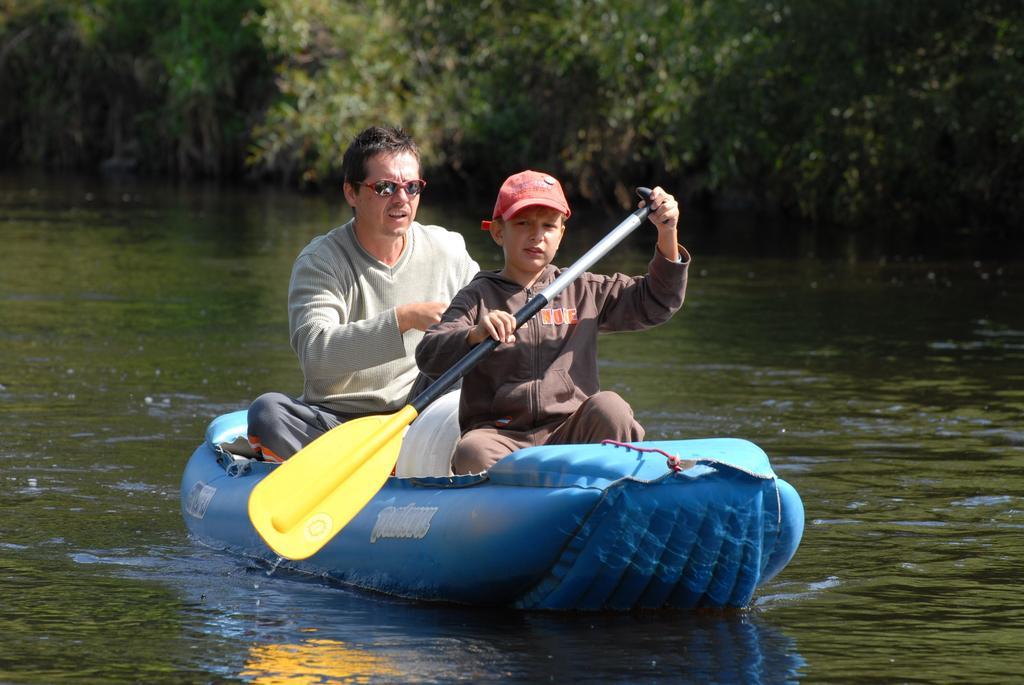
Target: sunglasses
(387, 188)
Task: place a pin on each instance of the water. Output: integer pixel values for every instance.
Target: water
(888, 392)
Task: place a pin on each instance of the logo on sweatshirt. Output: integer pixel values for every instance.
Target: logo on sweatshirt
(558, 316)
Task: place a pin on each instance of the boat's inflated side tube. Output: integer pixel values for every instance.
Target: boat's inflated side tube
(599, 465)
(604, 526)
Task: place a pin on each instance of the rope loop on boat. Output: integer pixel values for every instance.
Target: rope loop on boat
(239, 467)
(674, 463)
(234, 466)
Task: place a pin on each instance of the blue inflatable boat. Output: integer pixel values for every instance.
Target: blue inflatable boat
(669, 524)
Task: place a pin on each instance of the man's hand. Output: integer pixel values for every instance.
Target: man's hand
(419, 315)
(498, 325)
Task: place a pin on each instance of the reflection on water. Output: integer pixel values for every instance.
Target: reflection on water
(236, 621)
(313, 661)
(303, 632)
(889, 393)
(261, 626)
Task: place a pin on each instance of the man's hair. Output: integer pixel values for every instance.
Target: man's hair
(371, 142)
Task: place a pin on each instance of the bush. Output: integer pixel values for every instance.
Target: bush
(163, 86)
(862, 113)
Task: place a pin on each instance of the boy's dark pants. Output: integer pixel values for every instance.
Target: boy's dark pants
(604, 416)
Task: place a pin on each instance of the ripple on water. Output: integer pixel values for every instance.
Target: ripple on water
(110, 558)
(1004, 435)
(921, 524)
(789, 592)
(133, 486)
(134, 438)
(982, 501)
(1008, 333)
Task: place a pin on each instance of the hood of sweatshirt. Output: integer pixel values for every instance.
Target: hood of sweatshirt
(549, 274)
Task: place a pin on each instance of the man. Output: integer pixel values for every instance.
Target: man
(360, 298)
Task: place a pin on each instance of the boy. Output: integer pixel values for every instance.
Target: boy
(540, 386)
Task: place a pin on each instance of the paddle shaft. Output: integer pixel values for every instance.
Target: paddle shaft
(536, 303)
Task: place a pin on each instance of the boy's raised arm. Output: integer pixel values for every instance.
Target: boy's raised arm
(665, 217)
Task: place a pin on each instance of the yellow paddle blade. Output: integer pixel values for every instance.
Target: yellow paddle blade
(305, 501)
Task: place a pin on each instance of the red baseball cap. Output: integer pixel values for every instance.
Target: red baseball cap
(528, 189)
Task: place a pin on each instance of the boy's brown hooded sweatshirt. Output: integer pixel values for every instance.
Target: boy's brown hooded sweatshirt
(551, 368)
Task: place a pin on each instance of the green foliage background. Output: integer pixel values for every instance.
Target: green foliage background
(871, 112)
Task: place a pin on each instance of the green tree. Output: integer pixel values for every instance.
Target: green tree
(873, 112)
(340, 67)
(164, 86)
